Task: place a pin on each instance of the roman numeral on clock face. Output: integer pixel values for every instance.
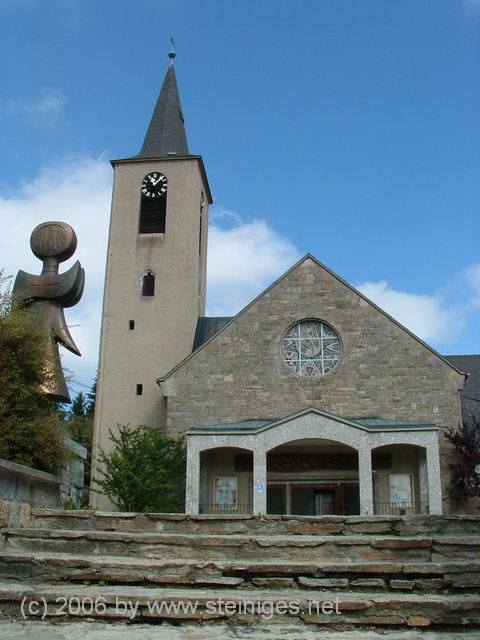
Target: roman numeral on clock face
(154, 185)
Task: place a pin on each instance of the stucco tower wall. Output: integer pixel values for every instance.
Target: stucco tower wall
(165, 323)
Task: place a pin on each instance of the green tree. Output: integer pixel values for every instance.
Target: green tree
(78, 406)
(145, 471)
(90, 399)
(30, 424)
(79, 424)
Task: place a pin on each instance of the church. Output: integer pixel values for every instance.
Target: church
(312, 400)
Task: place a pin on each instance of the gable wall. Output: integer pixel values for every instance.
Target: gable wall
(240, 374)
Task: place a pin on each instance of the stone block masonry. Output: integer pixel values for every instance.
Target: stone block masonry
(388, 575)
(384, 371)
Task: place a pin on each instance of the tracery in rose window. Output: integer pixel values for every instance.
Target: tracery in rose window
(311, 348)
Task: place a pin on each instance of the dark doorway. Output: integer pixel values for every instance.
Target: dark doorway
(352, 500)
(277, 499)
(313, 501)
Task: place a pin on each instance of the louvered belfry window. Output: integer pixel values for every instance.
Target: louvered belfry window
(153, 211)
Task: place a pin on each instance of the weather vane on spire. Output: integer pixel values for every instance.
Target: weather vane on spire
(172, 53)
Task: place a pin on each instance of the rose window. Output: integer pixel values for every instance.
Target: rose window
(311, 348)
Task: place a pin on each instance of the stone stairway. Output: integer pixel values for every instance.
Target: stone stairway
(335, 574)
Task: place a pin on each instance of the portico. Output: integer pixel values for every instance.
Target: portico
(232, 468)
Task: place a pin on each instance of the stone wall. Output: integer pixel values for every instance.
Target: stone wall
(22, 487)
(384, 371)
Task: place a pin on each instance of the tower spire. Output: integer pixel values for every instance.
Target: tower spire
(172, 54)
(166, 134)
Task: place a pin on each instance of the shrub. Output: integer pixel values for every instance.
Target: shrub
(146, 470)
(30, 424)
(465, 471)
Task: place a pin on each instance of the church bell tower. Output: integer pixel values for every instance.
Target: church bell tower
(155, 281)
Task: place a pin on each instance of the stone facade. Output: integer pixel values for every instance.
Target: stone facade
(384, 370)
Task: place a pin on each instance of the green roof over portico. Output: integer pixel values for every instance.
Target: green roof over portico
(369, 423)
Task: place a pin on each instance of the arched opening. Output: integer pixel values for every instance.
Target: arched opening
(226, 481)
(313, 477)
(148, 284)
(400, 482)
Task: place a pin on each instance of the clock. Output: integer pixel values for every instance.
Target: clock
(154, 185)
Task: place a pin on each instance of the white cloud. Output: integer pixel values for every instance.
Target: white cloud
(220, 213)
(78, 192)
(73, 5)
(244, 257)
(472, 275)
(45, 110)
(50, 105)
(242, 261)
(427, 316)
(471, 7)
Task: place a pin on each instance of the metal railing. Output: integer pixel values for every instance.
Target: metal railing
(226, 509)
(400, 508)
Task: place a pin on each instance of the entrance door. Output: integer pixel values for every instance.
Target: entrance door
(324, 501)
(313, 501)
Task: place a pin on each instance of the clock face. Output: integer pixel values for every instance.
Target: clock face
(154, 185)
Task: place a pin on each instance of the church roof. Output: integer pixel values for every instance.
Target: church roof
(374, 423)
(244, 425)
(470, 394)
(206, 328)
(166, 134)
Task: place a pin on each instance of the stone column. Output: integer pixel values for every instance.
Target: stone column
(365, 480)
(192, 489)
(434, 478)
(288, 499)
(423, 481)
(259, 482)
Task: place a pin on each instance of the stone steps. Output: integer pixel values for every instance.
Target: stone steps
(241, 606)
(388, 574)
(264, 525)
(242, 547)
(288, 630)
(353, 576)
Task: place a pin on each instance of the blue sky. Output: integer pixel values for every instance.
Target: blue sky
(346, 129)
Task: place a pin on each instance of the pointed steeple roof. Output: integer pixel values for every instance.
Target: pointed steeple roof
(166, 134)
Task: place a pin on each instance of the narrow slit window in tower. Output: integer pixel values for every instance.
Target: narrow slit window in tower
(148, 284)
